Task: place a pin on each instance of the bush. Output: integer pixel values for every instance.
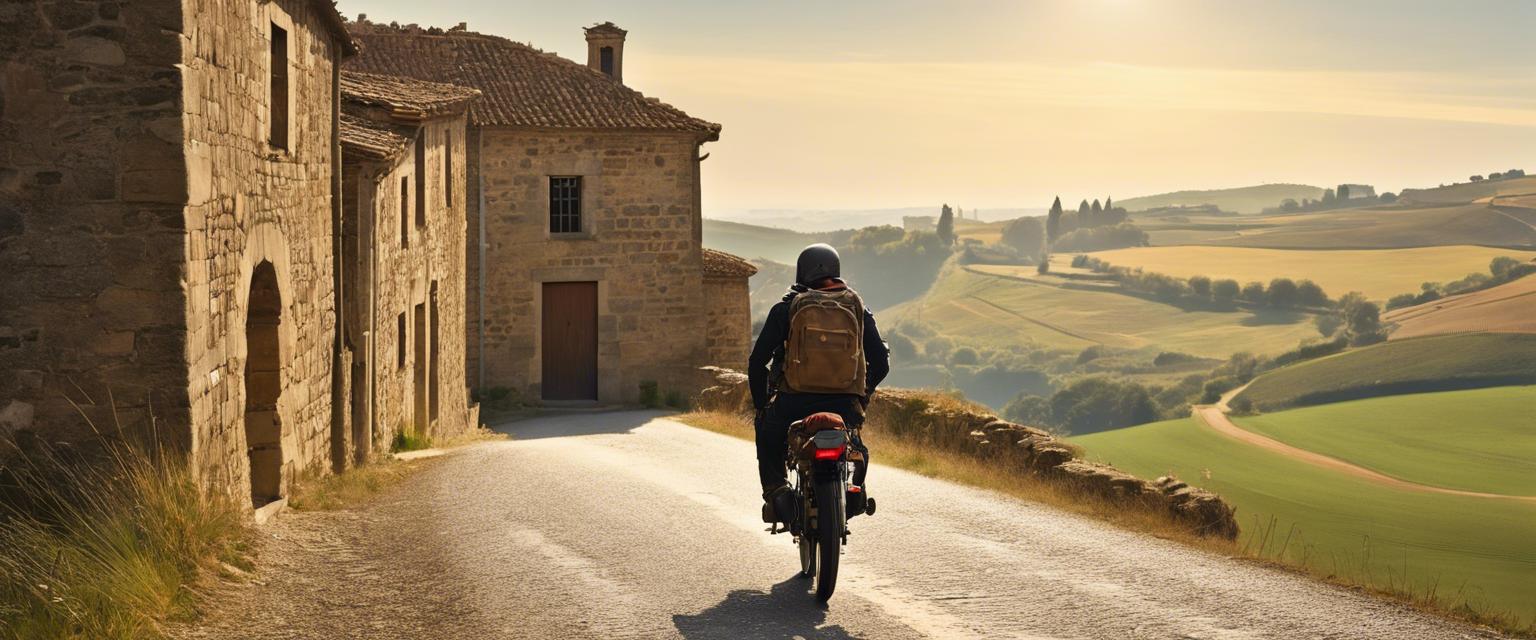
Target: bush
(1102, 238)
(1100, 404)
(1169, 358)
(1213, 389)
(1253, 293)
(1225, 290)
(650, 394)
(937, 348)
(1200, 286)
(964, 356)
(1282, 293)
(902, 347)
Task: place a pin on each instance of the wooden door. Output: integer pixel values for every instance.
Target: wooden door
(570, 340)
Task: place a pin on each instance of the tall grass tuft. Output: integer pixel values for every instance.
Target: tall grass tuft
(109, 543)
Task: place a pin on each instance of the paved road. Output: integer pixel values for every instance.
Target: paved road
(620, 525)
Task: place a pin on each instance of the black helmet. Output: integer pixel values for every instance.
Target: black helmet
(817, 262)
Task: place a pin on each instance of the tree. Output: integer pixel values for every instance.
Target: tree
(1329, 197)
(1084, 213)
(1476, 178)
(1109, 203)
(1282, 293)
(946, 228)
(1362, 318)
(964, 356)
(1343, 192)
(1309, 294)
(1502, 266)
(1095, 215)
(1053, 221)
(1328, 324)
(1200, 286)
(1289, 204)
(1225, 290)
(1253, 292)
(1027, 235)
(1387, 197)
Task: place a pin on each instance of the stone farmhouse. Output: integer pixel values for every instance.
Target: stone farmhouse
(211, 232)
(587, 275)
(403, 230)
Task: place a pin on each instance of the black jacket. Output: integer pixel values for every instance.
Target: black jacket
(775, 332)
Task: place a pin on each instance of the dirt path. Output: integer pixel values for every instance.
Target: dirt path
(626, 525)
(1215, 416)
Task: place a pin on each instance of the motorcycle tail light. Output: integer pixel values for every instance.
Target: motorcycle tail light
(831, 454)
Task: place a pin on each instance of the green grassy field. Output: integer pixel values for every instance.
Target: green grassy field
(987, 311)
(1477, 440)
(1379, 273)
(1477, 550)
(1416, 365)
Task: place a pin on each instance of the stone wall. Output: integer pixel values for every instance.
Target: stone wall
(951, 426)
(639, 243)
(728, 336)
(91, 229)
(397, 277)
(249, 203)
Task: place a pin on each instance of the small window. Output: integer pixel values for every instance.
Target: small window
(405, 212)
(448, 168)
(277, 99)
(605, 60)
(565, 204)
(400, 341)
(421, 178)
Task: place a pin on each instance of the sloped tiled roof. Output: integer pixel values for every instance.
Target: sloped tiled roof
(724, 265)
(522, 86)
(337, 25)
(406, 98)
(371, 139)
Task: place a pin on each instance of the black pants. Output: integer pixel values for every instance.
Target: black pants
(772, 429)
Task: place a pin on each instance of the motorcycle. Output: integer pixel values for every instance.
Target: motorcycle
(822, 459)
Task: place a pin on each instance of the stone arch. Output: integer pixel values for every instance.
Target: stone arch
(263, 384)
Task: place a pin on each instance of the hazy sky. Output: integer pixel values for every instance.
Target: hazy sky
(889, 103)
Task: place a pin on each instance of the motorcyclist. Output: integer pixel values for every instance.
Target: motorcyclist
(818, 268)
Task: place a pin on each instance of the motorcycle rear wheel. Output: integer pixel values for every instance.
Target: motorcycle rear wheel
(830, 520)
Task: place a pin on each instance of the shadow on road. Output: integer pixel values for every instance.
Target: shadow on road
(566, 424)
(785, 611)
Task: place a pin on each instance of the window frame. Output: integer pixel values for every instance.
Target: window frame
(566, 218)
(279, 84)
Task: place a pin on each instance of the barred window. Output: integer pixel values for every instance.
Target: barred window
(565, 204)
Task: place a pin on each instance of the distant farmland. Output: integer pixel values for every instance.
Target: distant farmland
(993, 311)
(1509, 307)
(1378, 273)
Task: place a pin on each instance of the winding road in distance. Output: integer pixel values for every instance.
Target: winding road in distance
(628, 525)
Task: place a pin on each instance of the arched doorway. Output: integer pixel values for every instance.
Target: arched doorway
(263, 385)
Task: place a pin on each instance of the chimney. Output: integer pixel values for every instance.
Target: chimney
(605, 49)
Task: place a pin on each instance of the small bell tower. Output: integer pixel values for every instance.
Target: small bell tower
(605, 49)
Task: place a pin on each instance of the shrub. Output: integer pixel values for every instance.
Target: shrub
(1309, 294)
(1168, 358)
(1102, 238)
(1200, 286)
(1213, 389)
(1282, 293)
(650, 394)
(937, 348)
(1100, 404)
(1253, 292)
(902, 347)
(964, 356)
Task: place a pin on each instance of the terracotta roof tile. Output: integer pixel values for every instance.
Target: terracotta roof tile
(722, 264)
(522, 86)
(407, 98)
(371, 139)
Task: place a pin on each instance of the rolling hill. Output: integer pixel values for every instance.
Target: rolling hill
(985, 310)
(1469, 191)
(1418, 365)
(1252, 199)
(1507, 308)
(1392, 227)
(1378, 273)
(752, 241)
(1335, 524)
(1476, 440)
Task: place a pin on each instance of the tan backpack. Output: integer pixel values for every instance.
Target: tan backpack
(825, 350)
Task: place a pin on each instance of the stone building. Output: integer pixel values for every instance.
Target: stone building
(403, 231)
(586, 272)
(169, 186)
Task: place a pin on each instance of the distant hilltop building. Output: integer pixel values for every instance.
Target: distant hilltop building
(1355, 191)
(919, 223)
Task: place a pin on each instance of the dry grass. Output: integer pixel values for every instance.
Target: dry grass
(1263, 545)
(356, 487)
(109, 545)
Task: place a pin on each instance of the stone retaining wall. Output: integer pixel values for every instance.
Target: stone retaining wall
(915, 415)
